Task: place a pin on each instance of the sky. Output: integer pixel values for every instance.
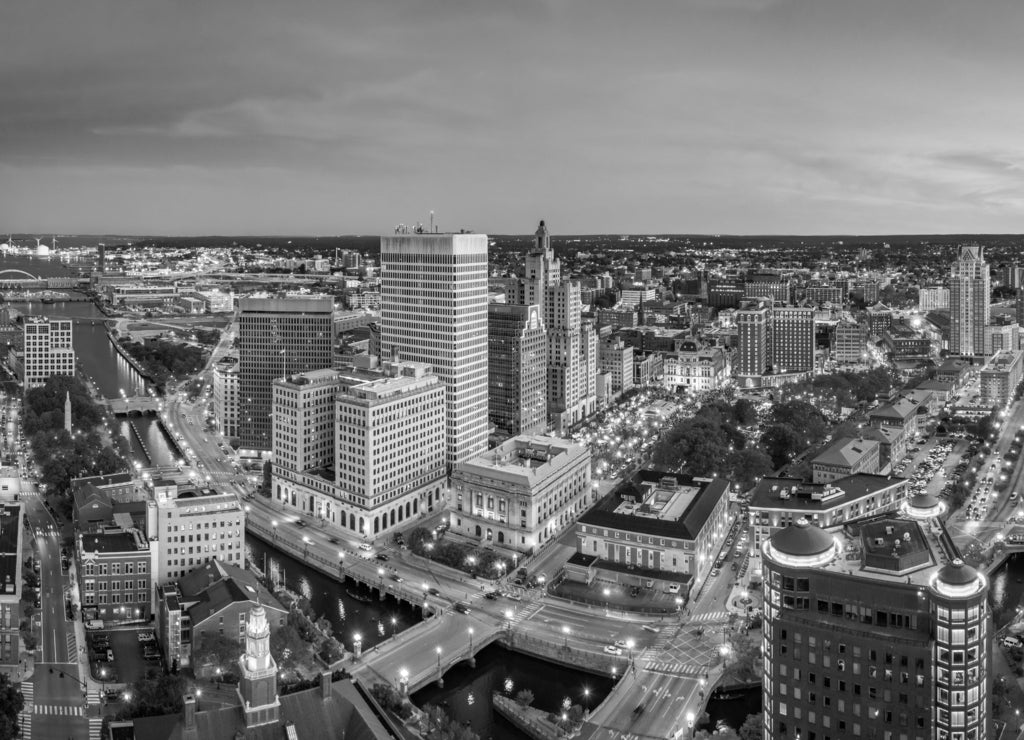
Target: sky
(601, 116)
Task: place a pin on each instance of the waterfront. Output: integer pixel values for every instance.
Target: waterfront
(1007, 589)
(466, 695)
(373, 620)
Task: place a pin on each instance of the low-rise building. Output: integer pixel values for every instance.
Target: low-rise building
(845, 456)
(214, 599)
(1001, 376)
(695, 368)
(901, 413)
(11, 533)
(775, 503)
(656, 529)
(522, 493)
(114, 571)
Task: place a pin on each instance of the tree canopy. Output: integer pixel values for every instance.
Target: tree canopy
(11, 703)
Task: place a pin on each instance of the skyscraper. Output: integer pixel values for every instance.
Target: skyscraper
(969, 295)
(277, 336)
(517, 369)
(752, 343)
(570, 340)
(434, 310)
(792, 339)
(875, 628)
(48, 350)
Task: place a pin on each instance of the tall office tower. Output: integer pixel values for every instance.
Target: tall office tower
(517, 364)
(48, 350)
(875, 628)
(277, 336)
(752, 355)
(792, 340)
(434, 311)
(569, 342)
(225, 395)
(969, 292)
(1020, 306)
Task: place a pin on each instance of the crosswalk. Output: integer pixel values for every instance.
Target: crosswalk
(717, 616)
(669, 668)
(95, 728)
(526, 612)
(59, 709)
(72, 645)
(28, 690)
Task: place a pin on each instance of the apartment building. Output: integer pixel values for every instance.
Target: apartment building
(48, 350)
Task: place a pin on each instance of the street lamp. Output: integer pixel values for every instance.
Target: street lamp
(565, 631)
(357, 646)
(471, 641)
(305, 552)
(394, 623)
(438, 650)
(273, 524)
(607, 593)
(380, 574)
(508, 619)
(341, 561)
(403, 681)
(690, 717)
(199, 695)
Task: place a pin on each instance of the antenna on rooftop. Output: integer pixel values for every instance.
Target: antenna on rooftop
(432, 222)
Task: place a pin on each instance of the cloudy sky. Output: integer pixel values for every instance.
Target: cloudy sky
(349, 116)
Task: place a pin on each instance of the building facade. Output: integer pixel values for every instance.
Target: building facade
(615, 357)
(844, 457)
(752, 355)
(434, 311)
(933, 299)
(114, 570)
(48, 350)
(225, 395)
(277, 336)
(11, 560)
(969, 295)
(877, 629)
(517, 364)
(387, 463)
(792, 340)
(1001, 376)
(522, 493)
(850, 343)
(695, 368)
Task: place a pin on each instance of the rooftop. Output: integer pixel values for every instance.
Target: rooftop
(107, 542)
(525, 460)
(798, 495)
(658, 503)
(845, 451)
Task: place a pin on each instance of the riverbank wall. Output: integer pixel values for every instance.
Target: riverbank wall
(128, 358)
(529, 721)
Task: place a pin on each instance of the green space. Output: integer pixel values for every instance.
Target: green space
(163, 360)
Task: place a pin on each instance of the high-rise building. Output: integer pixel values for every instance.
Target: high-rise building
(969, 295)
(434, 311)
(875, 628)
(850, 342)
(517, 362)
(771, 285)
(571, 389)
(792, 340)
(615, 357)
(752, 354)
(225, 395)
(933, 298)
(48, 350)
(361, 449)
(277, 336)
(1019, 306)
(12, 536)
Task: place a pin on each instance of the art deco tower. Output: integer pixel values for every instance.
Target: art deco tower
(257, 687)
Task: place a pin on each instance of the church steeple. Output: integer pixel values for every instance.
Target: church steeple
(257, 687)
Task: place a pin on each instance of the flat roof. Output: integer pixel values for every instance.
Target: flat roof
(111, 542)
(660, 504)
(804, 496)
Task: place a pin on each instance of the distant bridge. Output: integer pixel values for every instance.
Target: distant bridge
(25, 279)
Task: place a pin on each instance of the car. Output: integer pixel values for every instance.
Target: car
(365, 546)
(715, 572)
(672, 588)
(492, 595)
(622, 644)
(381, 557)
(396, 578)
(110, 656)
(433, 591)
(1011, 641)
(651, 628)
(300, 523)
(333, 540)
(112, 694)
(462, 608)
(146, 637)
(612, 650)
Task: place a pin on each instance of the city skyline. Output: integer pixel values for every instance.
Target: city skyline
(740, 116)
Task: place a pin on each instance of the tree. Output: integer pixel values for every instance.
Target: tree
(156, 694)
(287, 645)
(744, 412)
(743, 658)
(221, 651)
(729, 734)
(781, 442)
(524, 698)
(752, 727)
(437, 725)
(11, 703)
(746, 465)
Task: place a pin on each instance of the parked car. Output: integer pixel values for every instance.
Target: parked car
(612, 650)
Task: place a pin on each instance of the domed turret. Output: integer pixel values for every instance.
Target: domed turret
(923, 506)
(802, 544)
(958, 579)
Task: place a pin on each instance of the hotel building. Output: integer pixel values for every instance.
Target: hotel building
(875, 629)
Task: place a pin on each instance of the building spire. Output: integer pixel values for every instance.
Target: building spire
(67, 411)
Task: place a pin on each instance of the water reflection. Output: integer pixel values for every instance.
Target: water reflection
(373, 619)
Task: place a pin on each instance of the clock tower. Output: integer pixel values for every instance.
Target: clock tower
(258, 670)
